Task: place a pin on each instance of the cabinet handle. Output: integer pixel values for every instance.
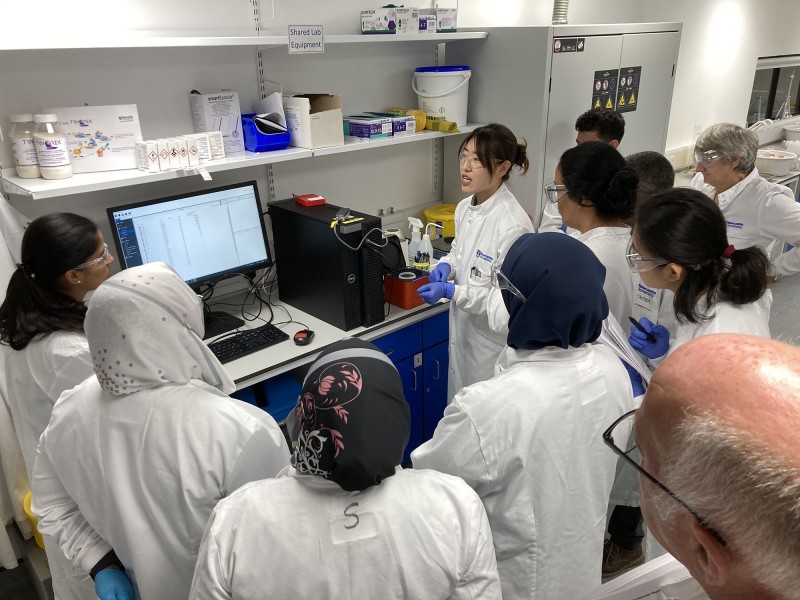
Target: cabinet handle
(438, 374)
(414, 372)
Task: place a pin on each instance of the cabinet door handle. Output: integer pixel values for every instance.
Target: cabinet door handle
(414, 372)
(438, 373)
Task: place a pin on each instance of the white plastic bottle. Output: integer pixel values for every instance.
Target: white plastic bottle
(51, 148)
(416, 231)
(422, 260)
(25, 159)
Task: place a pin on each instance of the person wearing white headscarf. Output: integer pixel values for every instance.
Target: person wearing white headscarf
(346, 521)
(136, 457)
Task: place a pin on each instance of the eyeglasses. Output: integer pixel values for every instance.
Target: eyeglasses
(473, 161)
(641, 264)
(632, 456)
(500, 281)
(554, 191)
(707, 157)
(106, 256)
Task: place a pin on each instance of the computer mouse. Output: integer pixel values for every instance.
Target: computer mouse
(303, 337)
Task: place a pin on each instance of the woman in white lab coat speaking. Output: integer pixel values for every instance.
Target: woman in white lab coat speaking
(596, 194)
(528, 441)
(487, 223)
(757, 212)
(679, 243)
(64, 257)
(346, 521)
(135, 458)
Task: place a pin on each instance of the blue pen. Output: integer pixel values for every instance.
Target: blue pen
(649, 335)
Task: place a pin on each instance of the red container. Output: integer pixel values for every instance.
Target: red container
(403, 292)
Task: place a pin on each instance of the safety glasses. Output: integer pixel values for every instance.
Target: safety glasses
(554, 191)
(707, 157)
(473, 161)
(96, 261)
(639, 263)
(500, 281)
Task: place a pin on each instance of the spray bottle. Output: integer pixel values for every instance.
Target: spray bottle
(416, 226)
(425, 251)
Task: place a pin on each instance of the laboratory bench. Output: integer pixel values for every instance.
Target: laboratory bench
(416, 341)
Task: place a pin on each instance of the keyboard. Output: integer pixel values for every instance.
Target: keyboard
(246, 342)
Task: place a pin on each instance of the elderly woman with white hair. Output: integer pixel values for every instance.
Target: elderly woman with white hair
(757, 212)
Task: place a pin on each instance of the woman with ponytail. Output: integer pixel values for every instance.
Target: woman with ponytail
(679, 243)
(596, 194)
(64, 257)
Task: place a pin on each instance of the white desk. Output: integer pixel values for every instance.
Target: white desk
(287, 355)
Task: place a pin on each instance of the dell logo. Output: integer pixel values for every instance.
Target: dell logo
(351, 278)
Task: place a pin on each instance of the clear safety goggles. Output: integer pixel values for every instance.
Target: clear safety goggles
(554, 191)
(500, 281)
(639, 263)
(707, 157)
(473, 161)
(96, 261)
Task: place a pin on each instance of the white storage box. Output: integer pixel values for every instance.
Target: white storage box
(100, 138)
(219, 111)
(314, 120)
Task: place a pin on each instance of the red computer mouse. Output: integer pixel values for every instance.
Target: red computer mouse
(303, 337)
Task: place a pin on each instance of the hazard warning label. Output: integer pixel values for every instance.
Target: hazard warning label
(628, 89)
(604, 89)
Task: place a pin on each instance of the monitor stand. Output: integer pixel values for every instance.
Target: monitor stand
(218, 322)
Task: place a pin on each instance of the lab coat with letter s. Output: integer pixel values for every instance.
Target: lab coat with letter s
(484, 233)
(529, 442)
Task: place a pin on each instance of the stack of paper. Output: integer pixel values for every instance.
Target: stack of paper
(615, 338)
(270, 117)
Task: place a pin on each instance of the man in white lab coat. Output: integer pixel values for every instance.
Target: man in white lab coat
(529, 440)
(346, 521)
(135, 458)
(720, 457)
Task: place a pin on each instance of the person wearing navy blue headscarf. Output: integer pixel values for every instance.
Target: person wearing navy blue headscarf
(529, 440)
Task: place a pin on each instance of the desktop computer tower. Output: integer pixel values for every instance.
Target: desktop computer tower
(318, 273)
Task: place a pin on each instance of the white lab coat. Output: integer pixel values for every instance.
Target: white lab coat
(758, 213)
(529, 443)
(484, 233)
(35, 378)
(145, 481)
(609, 244)
(418, 535)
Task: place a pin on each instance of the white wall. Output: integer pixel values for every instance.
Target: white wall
(503, 13)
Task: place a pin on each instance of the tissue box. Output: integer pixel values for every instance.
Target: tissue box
(369, 126)
(256, 140)
(100, 138)
(444, 19)
(407, 20)
(379, 20)
(401, 124)
(219, 111)
(314, 120)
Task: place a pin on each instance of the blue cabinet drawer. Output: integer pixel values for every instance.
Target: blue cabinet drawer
(402, 343)
(435, 329)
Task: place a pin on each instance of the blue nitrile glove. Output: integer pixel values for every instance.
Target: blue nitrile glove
(113, 584)
(433, 292)
(636, 380)
(638, 339)
(440, 273)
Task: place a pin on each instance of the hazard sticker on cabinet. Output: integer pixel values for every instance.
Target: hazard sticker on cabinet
(604, 89)
(628, 88)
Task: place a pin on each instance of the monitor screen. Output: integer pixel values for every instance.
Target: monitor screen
(205, 236)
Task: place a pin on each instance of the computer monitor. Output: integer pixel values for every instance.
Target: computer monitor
(205, 236)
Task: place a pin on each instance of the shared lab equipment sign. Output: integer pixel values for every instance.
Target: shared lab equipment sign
(306, 39)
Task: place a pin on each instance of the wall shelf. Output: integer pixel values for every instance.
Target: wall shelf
(161, 41)
(41, 189)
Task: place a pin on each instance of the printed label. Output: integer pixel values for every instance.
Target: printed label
(24, 151)
(52, 152)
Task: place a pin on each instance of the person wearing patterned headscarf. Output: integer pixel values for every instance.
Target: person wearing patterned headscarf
(528, 441)
(345, 521)
(135, 458)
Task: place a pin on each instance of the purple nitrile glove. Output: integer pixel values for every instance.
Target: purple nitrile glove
(638, 339)
(440, 273)
(113, 584)
(433, 292)
(636, 380)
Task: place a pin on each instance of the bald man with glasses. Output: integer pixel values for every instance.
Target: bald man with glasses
(717, 448)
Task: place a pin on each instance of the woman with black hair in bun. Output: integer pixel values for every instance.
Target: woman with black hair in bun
(596, 194)
(680, 243)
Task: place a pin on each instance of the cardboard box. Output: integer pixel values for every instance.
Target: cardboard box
(379, 20)
(100, 138)
(444, 20)
(314, 120)
(407, 20)
(219, 111)
(369, 126)
(401, 124)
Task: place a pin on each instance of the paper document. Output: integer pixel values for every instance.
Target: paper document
(270, 117)
(615, 338)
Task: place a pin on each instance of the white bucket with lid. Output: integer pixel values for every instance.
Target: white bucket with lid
(443, 92)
